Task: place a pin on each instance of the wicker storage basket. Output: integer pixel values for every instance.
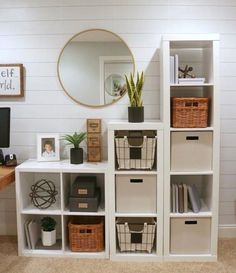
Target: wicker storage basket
(189, 112)
(86, 234)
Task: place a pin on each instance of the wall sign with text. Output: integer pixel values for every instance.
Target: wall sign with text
(11, 80)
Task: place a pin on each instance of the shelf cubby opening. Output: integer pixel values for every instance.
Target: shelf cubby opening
(136, 235)
(198, 55)
(87, 235)
(69, 178)
(136, 193)
(135, 150)
(196, 91)
(27, 180)
(34, 233)
(203, 185)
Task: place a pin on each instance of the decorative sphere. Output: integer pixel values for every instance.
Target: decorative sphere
(43, 194)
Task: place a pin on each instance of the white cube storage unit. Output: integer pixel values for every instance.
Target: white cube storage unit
(62, 174)
(191, 235)
(191, 155)
(191, 151)
(136, 193)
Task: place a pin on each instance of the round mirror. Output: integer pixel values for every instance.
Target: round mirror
(92, 66)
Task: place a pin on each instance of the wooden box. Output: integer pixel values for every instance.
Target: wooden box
(94, 140)
(94, 125)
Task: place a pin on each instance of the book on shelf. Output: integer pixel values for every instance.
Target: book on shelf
(191, 81)
(181, 198)
(27, 233)
(32, 232)
(176, 61)
(176, 198)
(172, 69)
(185, 193)
(173, 208)
(194, 198)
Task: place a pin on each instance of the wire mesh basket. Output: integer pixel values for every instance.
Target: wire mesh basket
(136, 234)
(135, 149)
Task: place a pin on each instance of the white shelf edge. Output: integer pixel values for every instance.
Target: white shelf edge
(206, 214)
(94, 255)
(190, 257)
(100, 212)
(136, 172)
(172, 129)
(41, 212)
(133, 214)
(192, 173)
(42, 252)
(191, 84)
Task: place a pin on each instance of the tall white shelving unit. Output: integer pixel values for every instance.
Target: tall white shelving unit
(62, 173)
(156, 173)
(191, 236)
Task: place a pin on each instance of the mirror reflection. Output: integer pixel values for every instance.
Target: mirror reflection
(92, 65)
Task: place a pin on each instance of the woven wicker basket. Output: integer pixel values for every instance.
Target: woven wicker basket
(86, 234)
(189, 112)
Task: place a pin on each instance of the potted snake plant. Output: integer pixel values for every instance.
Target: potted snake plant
(48, 231)
(136, 109)
(76, 153)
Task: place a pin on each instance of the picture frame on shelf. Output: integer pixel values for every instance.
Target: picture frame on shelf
(48, 148)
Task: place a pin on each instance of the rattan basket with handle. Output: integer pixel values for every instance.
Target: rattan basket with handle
(189, 112)
(86, 234)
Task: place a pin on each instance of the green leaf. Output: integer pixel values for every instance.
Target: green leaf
(75, 139)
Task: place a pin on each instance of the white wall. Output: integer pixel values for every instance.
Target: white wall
(34, 32)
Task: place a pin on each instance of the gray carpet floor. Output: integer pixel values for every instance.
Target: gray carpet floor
(11, 263)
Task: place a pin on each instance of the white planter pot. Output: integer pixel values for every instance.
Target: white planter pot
(48, 237)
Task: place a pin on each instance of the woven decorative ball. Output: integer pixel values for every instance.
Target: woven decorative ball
(43, 194)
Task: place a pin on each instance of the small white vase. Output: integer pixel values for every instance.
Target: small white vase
(48, 237)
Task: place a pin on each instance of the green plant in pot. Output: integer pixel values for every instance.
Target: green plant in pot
(76, 153)
(48, 231)
(136, 109)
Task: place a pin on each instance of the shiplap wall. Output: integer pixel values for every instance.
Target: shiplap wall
(33, 32)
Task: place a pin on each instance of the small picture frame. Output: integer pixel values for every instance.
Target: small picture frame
(11, 80)
(48, 147)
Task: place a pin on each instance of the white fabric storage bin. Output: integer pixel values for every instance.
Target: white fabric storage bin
(190, 236)
(136, 234)
(191, 151)
(136, 193)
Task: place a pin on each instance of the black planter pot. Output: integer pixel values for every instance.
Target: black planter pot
(76, 156)
(135, 114)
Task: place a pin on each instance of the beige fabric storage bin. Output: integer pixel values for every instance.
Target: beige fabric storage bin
(191, 151)
(136, 193)
(190, 236)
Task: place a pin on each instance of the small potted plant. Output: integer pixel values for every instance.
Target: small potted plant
(76, 153)
(136, 109)
(48, 231)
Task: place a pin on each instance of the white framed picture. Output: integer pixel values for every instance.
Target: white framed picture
(48, 147)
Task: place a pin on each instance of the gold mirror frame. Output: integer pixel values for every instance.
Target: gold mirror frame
(58, 74)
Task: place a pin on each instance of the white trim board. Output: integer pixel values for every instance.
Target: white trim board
(227, 231)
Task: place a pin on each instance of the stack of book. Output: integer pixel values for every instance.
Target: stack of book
(193, 81)
(32, 233)
(184, 197)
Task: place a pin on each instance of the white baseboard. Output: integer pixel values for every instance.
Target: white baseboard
(227, 231)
